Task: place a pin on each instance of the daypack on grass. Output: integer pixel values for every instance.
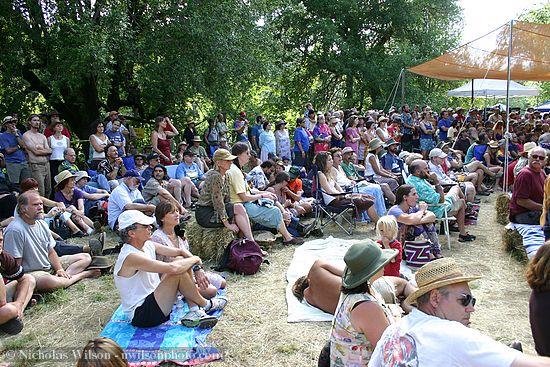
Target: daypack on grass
(242, 256)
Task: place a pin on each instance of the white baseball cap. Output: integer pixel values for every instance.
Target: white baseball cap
(436, 152)
(130, 217)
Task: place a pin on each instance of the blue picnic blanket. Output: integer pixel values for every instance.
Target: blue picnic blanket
(169, 341)
(533, 237)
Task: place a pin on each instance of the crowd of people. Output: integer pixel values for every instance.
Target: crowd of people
(403, 170)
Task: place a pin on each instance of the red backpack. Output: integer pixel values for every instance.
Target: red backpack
(242, 256)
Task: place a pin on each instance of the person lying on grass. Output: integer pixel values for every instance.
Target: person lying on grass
(146, 299)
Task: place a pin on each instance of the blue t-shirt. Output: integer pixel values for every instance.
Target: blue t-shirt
(8, 140)
(301, 136)
(193, 172)
(443, 134)
(116, 137)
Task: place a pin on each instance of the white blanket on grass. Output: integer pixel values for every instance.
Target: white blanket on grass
(329, 249)
(532, 234)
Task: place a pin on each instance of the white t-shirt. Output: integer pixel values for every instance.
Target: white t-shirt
(422, 340)
(121, 196)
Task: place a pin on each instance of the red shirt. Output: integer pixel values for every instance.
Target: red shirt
(392, 268)
(528, 185)
(65, 131)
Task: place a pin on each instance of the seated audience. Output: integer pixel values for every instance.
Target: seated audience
(139, 162)
(420, 178)
(29, 240)
(260, 176)
(528, 194)
(112, 166)
(99, 180)
(191, 177)
(296, 192)
(437, 157)
(360, 317)
(436, 332)
(332, 192)
(539, 302)
(375, 173)
(214, 208)
(390, 161)
(73, 199)
(146, 298)
(93, 197)
(15, 292)
(270, 213)
(168, 218)
(201, 156)
(160, 188)
(127, 197)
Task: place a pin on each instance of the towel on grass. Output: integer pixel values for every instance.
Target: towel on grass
(532, 234)
(170, 341)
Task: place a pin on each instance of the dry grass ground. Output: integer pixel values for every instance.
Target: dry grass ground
(253, 329)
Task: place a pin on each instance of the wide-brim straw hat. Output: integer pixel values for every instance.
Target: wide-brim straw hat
(493, 144)
(529, 146)
(437, 274)
(363, 260)
(62, 176)
(375, 144)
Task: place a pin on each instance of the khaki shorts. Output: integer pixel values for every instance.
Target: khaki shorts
(37, 274)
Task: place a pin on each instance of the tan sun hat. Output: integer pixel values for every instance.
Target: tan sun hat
(436, 274)
(375, 144)
(223, 155)
(62, 176)
(529, 146)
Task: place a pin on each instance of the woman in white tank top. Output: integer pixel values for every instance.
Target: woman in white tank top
(98, 143)
(58, 143)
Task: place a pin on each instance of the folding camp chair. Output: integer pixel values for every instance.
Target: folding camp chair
(343, 217)
(445, 220)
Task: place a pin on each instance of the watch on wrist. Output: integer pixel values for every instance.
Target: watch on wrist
(196, 267)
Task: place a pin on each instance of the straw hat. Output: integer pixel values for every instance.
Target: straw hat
(493, 144)
(363, 260)
(529, 146)
(375, 144)
(436, 274)
(223, 155)
(62, 176)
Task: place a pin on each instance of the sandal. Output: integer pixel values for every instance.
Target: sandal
(466, 238)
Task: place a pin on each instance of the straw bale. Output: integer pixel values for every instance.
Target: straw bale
(513, 243)
(207, 243)
(502, 206)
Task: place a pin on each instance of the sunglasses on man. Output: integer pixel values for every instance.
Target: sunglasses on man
(466, 299)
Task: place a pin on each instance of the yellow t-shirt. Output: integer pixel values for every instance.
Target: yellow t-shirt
(237, 184)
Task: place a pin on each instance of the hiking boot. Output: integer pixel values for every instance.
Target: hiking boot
(97, 227)
(12, 327)
(215, 304)
(198, 318)
(96, 247)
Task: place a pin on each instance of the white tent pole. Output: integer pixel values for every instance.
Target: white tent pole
(507, 135)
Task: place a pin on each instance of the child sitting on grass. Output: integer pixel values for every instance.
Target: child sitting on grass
(386, 228)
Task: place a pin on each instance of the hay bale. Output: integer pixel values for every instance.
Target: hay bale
(207, 243)
(513, 243)
(502, 205)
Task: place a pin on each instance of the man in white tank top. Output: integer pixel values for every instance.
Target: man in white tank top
(146, 299)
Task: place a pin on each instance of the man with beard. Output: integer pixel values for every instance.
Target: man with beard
(158, 189)
(126, 196)
(528, 194)
(390, 160)
(112, 166)
(39, 152)
(29, 240)
(422, 179)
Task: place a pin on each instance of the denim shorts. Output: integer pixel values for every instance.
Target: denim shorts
(270, 217)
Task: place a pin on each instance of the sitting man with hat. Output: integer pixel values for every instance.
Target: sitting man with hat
(126, 196)
(29, 240)
(349, 166)
(436, 332)
(201, 157)
(390, 160)
(147, 299)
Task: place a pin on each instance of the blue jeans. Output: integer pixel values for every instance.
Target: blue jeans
(100, 182)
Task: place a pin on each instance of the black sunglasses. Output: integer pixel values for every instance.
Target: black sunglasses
(539, 157)
(466, 299)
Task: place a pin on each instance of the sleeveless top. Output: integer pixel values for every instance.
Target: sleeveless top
(164, 146)
(93, 153)
(369, 171)
(135, 289)
(58, 147)
(348, 347)
(427, 126)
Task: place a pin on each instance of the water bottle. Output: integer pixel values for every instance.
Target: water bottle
(179, 307)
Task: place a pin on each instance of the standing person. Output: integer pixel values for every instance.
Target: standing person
(407, 129)
(321, 136)
(427, 132)
(146, 299)
(382, 130)
(444, 124)
(539, 302)
(241, 128)
(58, 144)
(221, 125)
(98, 144)
(39, 155)
(352, 135)
(301, 143)
(54, 119)
(190, 131)
(361, 315)
(270, 216)
(117, 138)
(212, 137)
(267, 143)
(12, 146)
(160, 139)
(282, 140)
(336, 140)
(254, 133)
(437, 332)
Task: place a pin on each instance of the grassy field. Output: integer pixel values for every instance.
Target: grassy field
(253, 329)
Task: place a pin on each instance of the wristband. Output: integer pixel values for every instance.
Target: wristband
(196, 267)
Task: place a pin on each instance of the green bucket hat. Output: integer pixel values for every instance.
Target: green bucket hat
(363, 260)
